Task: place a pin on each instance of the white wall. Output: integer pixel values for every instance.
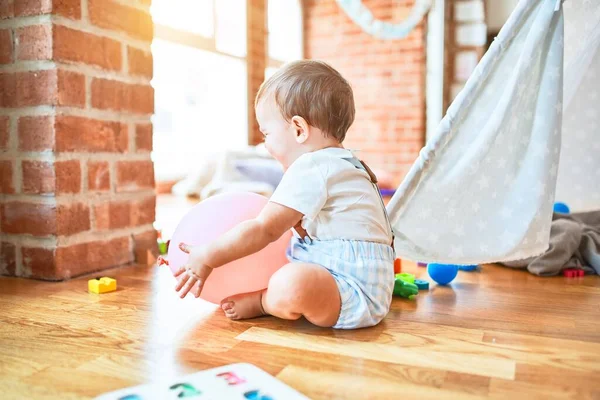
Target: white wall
(497, 12)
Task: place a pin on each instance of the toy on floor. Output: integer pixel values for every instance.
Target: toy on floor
(421, 264)
(163, 246)
(468, 268)
(406, 277)
(397, 266)
(235, 381)
(573, 272)
(405, 289)
(102, 285)
(210, 219)
(443, 274)
(421, 284)
(561, 208)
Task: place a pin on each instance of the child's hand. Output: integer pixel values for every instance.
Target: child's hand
(194, 273)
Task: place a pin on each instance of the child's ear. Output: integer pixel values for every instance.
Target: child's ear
(301, 130)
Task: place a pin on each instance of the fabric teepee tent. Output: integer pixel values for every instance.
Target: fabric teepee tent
(483, 188)
(578, 183)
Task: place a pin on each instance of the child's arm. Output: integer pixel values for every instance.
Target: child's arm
(245, 239)
(252, 235)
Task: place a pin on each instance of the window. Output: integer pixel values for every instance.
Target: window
(284, 27)
(200, 82)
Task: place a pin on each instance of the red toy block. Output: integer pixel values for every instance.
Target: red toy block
(573, 272)
(397, 266)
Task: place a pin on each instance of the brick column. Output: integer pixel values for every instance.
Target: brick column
(466, 35)
(77, 182)
(256, 60)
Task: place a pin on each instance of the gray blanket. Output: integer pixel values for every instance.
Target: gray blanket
(574, 243)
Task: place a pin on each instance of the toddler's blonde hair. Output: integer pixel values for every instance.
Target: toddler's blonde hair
(314, 91)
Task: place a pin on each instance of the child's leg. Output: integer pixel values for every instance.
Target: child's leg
(295, 290)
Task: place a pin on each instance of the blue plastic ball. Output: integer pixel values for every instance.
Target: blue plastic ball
(443, 274)
(561, 208)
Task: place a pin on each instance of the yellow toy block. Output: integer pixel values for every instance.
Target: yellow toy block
(102, 285)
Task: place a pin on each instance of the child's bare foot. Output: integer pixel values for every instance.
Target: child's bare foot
(244, 306)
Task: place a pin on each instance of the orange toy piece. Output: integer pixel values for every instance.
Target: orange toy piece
(397, 266)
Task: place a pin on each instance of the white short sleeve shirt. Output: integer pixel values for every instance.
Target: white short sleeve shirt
(337, 199)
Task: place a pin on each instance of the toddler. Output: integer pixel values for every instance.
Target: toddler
(341, 272)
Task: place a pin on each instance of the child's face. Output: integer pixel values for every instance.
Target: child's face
(279, 134)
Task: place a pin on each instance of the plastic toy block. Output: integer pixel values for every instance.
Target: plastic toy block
(102, 285)
(421, 264)
(467, 267)
(406, 277)
(421, 284)
(405, 289)
(397, 266)
(162, 247)
(573, 272)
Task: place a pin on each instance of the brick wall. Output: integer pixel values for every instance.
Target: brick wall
(388, 78)
(77, 183)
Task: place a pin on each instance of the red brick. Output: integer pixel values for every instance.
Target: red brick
(101, 217)
(36, 88)
(83, 134)
(32, 7)
(68, 176)
(4, 132)
(6, 177)
(38, 177)
(119, 96)
(72, 218)
(98, 176)
(114, 215)
(36, 133)
(140, 62)
(143, 211)
(134, 175)
(71, 89)
(67, 8)
(29, 218)
(143, 137)
(39, 262)
(142, 99)
(8, 259)
(111, 15)
(34, 42)
(6, 46)
(7, 9)
(8, 89)
(83, 258)
(80, 47)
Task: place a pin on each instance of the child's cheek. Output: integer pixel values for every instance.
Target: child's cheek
(269, 147)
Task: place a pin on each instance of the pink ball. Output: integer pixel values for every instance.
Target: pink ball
(211, 218)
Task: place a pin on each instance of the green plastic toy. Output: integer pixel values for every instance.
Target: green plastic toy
(405, 289)
(406, 277)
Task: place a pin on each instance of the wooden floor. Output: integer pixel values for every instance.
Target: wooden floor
(497, 333)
